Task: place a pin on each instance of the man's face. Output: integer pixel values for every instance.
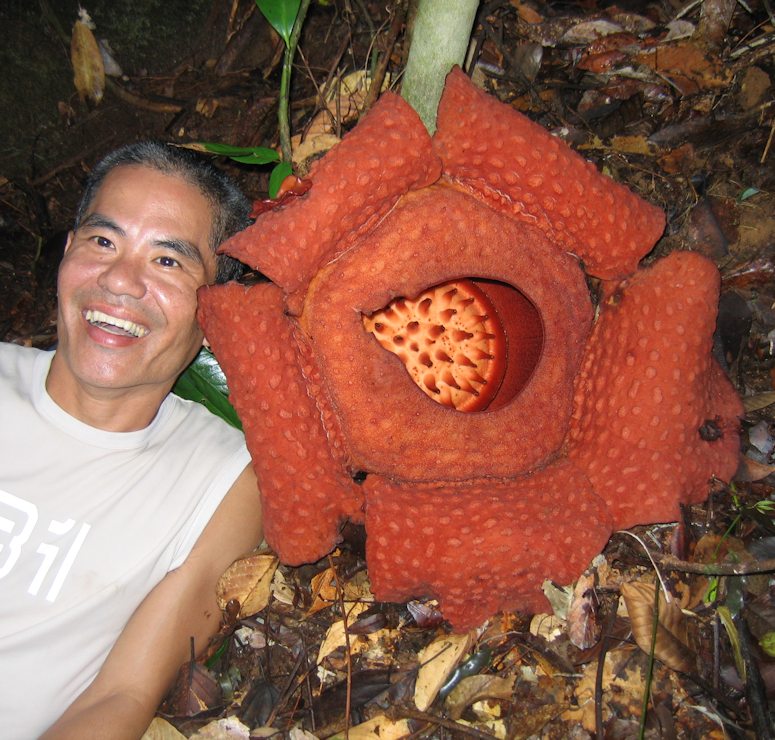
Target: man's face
(127, 287)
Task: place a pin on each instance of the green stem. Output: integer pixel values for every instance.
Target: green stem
(283, 111)
(440, 38)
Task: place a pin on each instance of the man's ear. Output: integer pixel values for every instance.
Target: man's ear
(68, 243)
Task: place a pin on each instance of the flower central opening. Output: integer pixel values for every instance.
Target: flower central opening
(471, 344)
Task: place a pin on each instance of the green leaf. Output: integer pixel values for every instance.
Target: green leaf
(227, 150)
(204, 382)
(281, 14)
(279, 173)
(259, 158)
(747, 193)
(767, 643)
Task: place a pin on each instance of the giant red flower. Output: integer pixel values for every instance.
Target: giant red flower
(427, 358)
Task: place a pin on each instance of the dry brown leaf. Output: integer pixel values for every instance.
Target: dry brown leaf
(623, 686)
(88, 68)
(437, 661)
(380, 728)
(751, 470)
(228, 728)
(249, 581)
(324, 586)
(583, 626)
(759, 401)
(335, 637)
(671, 645)
(474, 688)
(160, 729)
(686, 66)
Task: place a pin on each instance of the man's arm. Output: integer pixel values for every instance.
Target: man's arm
(122, 699)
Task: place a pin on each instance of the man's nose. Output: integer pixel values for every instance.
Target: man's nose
(124, 275)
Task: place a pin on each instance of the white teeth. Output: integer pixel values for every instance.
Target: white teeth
(107, 322)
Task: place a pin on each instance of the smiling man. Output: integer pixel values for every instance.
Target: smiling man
(120, 504)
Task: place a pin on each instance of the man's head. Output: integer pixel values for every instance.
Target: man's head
(230, 207)
(143, 244)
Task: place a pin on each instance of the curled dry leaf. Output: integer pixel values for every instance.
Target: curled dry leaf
(474, 688)
(584, 627)
(324, 589)
(671, 646)
(437, 661)
(248, 580)
(88, 68)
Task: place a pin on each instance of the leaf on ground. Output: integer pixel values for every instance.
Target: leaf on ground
(196, 690)
(160, 729)
(583, 626)
(751, 470)
(324, 589)
(671, 645)
(623, 684)
(229, 728)
(379, 728)
(687, 67)
(335, 637)
(437, 661)
(249, 581)
(474, 688)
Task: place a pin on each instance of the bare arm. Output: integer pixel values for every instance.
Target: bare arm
(122, 699)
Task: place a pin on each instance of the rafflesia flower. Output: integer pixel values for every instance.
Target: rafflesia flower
(427, 359)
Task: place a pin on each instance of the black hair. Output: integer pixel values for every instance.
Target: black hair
(231, 209)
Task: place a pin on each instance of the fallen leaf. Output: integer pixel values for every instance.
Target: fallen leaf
(160, 729)
(379, 728)
(547, 626)
(671, 645)
(583, 626)
(229, 728)
(249, 581)
(335, 637)
(623, 687)
(759, 401)
(437, 661)
(751, 470)
(196, 690)
(474, 688)
(281, 591)
(686, 66)
(324, 589)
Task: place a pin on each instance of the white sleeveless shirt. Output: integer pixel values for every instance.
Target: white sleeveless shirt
(90, 522)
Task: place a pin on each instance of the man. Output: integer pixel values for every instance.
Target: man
(120, 505)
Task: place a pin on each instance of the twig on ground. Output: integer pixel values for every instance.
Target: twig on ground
(397, 712)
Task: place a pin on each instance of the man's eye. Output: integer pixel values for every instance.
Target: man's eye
(168, 262)
(103, 242)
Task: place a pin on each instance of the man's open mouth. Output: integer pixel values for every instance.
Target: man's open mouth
(114, 325)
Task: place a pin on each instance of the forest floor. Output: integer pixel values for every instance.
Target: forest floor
(667, 98)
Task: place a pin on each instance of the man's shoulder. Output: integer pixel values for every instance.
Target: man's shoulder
(190, 418)
(14, 355)
(17, 364)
